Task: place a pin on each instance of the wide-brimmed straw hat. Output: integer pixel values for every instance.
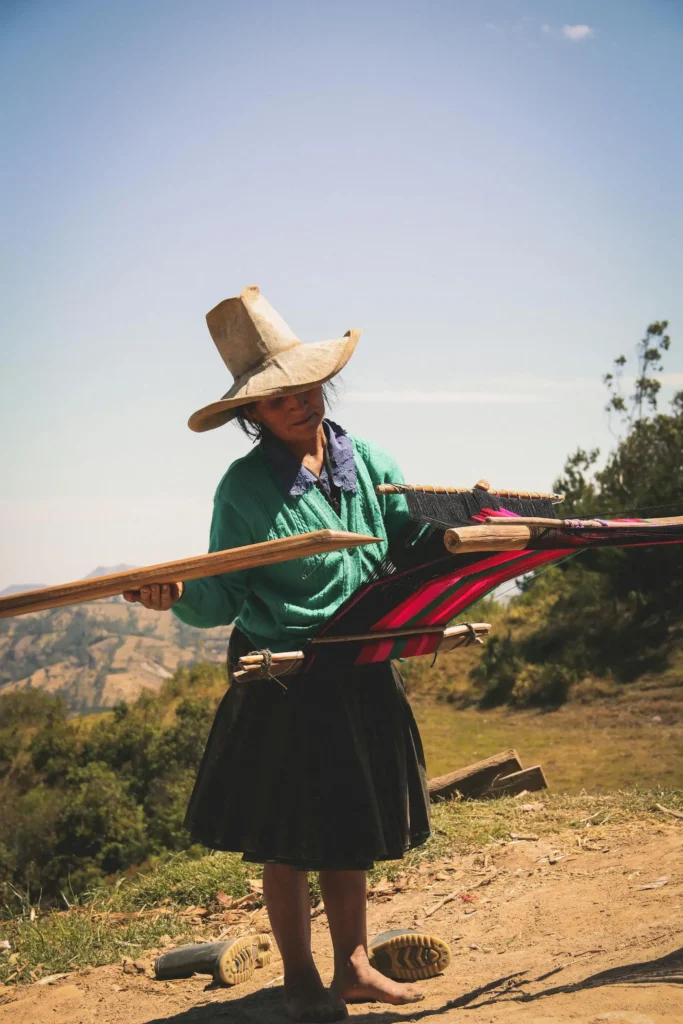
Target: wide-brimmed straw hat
(265, 356)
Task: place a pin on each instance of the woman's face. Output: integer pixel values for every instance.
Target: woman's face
(291, 417)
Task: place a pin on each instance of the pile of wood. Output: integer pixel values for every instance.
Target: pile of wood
(500, 775)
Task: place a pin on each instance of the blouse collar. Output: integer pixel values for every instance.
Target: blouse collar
(295, 479)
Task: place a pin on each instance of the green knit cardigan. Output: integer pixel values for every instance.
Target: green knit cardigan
(281, 606)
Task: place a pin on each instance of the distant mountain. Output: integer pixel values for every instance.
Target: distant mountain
(101, 570)
(19, 588)
(100, 653)
(107, 570)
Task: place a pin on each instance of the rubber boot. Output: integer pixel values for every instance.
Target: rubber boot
(408, 955)
(229, 963)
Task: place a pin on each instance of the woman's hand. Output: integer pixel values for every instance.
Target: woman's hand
(157, 596)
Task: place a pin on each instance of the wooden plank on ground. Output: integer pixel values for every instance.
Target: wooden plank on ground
(529, 779)
(474, 780)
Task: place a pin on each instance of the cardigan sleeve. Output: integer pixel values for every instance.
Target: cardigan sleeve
(384, 469)
(217, 600)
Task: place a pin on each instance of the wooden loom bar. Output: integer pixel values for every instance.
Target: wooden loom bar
(288, 662)
(464, 629)
(556, 524)
(569, 524)
(496, 493)
(463, 540)
(508, 534)
(248, 557)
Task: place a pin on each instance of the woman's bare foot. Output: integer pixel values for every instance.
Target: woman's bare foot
(359, 982)
(307, 999)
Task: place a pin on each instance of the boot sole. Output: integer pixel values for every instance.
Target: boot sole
(410, 957)
(239, 961)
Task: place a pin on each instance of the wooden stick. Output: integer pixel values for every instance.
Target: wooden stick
(454, 636)
(507, 534)
(280, 666)
(460, 636)
(569, 524)
(557, 524)
(463, 540)
(257, 658)
(458, 892)
(447, 899)
(503, 492)
(432, 489)
(461, 630)
(669, 810)
(248, 557)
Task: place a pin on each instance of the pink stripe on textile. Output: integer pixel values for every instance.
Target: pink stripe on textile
(466, 595)
(375, 650)
(500, 513)
(426, 643)
(429, 592)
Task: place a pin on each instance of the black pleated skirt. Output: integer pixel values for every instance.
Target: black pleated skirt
(327, 775)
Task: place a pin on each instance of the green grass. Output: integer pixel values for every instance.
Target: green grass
(57, 942)
(598, 748)
(186, 879)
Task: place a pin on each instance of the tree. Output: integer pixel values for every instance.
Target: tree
(69, 837)
(610, 610)
(643, 476)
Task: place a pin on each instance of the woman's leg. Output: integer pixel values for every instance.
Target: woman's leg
(289, 909)
(345, 897)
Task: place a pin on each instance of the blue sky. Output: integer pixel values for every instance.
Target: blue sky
(490, 190)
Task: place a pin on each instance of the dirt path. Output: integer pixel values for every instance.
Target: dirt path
(540, 924)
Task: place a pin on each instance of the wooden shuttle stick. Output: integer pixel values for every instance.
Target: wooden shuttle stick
(557, 524)
(573, 524)
(250, 556)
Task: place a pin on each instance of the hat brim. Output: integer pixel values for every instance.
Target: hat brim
(295, 370)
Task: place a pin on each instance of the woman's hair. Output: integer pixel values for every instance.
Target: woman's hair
(255, 430)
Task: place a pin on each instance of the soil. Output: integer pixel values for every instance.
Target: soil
(533, 928)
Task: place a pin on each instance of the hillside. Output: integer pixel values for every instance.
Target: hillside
(101, 653)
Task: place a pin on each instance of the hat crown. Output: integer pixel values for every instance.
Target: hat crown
(248, 332)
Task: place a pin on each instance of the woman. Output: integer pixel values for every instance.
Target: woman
(328, 774)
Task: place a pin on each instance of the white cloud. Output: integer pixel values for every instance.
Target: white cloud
(577, 32)
(443, 397)
(667, 380)
(512, 389)
(546, 28)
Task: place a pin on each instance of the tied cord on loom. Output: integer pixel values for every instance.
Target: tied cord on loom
(266, 667)
(472, 638)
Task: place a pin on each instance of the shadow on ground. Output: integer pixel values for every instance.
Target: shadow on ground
(665, 970)
(266, 1006)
